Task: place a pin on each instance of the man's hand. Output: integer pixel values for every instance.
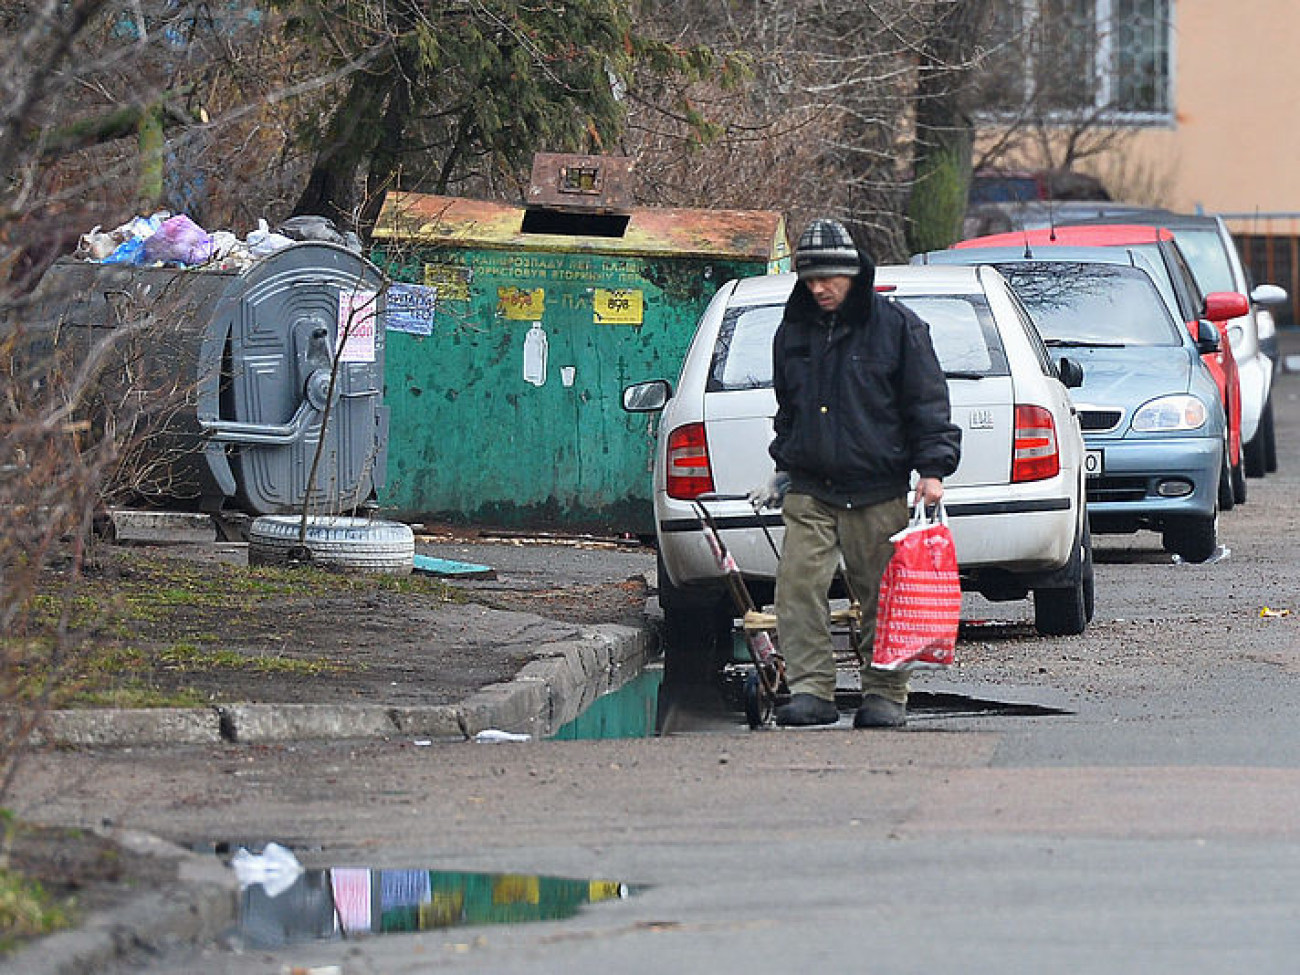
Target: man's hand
(771, 493)
(929, 490)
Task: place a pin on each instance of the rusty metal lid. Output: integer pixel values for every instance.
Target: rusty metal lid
(595, 184)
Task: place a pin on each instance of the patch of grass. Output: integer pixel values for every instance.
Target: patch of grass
(187, 656)
(134, 694)
(26, 910)
(117, 660)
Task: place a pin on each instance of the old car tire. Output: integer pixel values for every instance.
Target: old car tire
(334, 541)
(1239, 484)
(696, 634)
(1194, 539)
(1067, 611)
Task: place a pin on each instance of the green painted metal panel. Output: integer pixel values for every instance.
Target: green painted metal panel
(484, 428)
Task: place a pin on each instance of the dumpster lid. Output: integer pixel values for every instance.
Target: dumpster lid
(576, 183)
(445, 221)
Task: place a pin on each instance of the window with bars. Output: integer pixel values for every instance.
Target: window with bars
(1108, 58)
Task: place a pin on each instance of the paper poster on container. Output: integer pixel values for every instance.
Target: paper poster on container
(357, 317)
(619, 306)
(410, 308)
(451, 280)
(521, 304)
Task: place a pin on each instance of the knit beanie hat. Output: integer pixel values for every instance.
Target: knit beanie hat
(826, 249)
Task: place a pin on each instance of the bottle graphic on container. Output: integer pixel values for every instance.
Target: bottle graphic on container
(535, 349)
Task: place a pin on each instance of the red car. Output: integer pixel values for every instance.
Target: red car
(1184, 297)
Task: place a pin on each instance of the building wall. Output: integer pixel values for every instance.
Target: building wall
(1235, 141)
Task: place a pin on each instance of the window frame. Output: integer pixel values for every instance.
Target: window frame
(1105, 73)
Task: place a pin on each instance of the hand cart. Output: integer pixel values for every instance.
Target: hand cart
(765, 684)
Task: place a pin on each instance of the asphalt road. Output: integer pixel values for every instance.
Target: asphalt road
(1148, 824)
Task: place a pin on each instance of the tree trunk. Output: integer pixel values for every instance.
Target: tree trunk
(354, 131)
(941, 155)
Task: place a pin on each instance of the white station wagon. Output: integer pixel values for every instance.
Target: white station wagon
(1015, 504)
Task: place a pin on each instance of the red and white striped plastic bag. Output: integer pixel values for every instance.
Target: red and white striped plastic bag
(920, 597)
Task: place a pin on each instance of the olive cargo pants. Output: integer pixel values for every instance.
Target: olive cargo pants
(817, 535)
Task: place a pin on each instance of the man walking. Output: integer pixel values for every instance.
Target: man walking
(861, 403)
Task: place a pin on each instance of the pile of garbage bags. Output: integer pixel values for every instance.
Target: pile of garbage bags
(178, 241)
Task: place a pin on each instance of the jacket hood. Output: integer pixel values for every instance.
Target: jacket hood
(857, 304)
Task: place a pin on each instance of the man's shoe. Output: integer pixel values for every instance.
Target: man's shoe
(880, 712)
(807, 709)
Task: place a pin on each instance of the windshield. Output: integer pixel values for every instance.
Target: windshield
(1092, 304)
(961, 327)
(1205, 253)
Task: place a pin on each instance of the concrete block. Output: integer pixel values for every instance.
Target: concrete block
(434, 721)
(162, 527)
(289, 722)
(130, 727)
(521, 706)
(561, 679)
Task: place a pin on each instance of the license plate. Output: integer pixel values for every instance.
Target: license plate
(1092, 463)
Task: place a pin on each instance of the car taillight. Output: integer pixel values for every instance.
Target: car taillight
(688, 471)
(1035, 456)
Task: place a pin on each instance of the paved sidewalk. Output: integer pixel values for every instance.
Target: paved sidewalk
(565, 665)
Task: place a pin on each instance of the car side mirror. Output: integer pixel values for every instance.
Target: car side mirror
(1223, 305)
(1070, 373)
(647, 397)
(1207, 337)
(1269, 294)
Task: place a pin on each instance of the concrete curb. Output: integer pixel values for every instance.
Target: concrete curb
(553, 688)
(202, 902)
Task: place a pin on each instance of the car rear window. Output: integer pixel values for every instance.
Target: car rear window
(1205, 253)
(961, 328)
(1106, 304)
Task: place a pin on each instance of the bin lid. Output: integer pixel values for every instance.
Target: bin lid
(421, 218)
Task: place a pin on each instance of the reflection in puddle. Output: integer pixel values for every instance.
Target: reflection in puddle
(628, 712)
(349, 902)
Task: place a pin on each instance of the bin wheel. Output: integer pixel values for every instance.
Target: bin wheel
(758, 704)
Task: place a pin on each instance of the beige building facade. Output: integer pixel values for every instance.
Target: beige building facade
(1206, 97)
(1232, 143)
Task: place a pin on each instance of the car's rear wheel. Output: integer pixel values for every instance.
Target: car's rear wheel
(1270, 442)
(696, 633)
(1194, 539)
(1239, 484)
(1254, 452)
(1067, 611)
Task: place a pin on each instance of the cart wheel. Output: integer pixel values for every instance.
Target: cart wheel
(758, 703)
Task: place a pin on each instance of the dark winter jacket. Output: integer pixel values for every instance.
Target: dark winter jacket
(861, 398)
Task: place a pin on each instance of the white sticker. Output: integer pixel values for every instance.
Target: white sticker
(357, 317)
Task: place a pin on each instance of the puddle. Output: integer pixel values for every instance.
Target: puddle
(932, 704)
(642, 708)
(628, 712)
(353, 902)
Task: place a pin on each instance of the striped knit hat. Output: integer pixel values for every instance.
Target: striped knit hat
(826, 249)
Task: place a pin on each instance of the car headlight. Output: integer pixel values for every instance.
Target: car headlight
(1170, 413)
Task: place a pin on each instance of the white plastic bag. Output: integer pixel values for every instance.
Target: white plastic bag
(275, 868)
(263, 242)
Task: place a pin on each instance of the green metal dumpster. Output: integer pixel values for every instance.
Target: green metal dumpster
(504, 383)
